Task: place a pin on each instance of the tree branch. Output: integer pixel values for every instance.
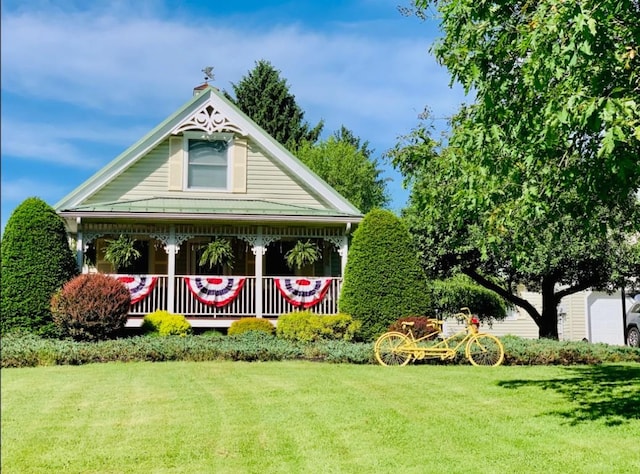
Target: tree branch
(583, 285)
(507, 295)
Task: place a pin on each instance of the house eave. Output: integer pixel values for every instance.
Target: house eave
(187, 216)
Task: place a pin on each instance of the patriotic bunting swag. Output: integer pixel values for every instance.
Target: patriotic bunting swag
(138, 285)
(303, 292)
(217, 291)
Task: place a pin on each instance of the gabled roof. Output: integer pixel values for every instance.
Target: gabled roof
(209, 111)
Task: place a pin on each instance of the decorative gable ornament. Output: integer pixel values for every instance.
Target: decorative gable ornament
(208, 119)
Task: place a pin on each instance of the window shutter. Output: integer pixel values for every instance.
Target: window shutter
(176, 163)
(239, 166)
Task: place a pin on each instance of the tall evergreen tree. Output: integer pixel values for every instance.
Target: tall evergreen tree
(265, 97)
(36, 262)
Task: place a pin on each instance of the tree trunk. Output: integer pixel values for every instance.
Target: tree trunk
(548, 323)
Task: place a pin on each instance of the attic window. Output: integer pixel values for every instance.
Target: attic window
(207, 164)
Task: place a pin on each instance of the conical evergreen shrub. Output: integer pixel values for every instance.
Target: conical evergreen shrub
(36, 262)
(383, 280)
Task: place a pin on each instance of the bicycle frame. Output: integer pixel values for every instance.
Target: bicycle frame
(442, 349)
(399, 348)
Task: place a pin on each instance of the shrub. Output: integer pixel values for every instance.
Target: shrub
(251, 324)
(422, 326)
(36, 262)
(163, 323)
(383, 280)
(339, 327)
(305, 326)
(91, 307)
(28, 350)
(449, 295)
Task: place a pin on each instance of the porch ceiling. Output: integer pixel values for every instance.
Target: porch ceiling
(183, 208)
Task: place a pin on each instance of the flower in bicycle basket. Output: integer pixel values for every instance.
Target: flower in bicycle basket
(475, 321)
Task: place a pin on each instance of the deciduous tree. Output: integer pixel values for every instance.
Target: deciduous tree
(348, 169)
(537, 184)
(452, 215)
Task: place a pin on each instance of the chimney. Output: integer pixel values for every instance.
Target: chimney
(200, 88)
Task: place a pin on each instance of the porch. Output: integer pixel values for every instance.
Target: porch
(170, 274)
(202, 314)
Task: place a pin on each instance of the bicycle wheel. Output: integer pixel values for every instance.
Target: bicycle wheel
(389, 349)
(485, 349)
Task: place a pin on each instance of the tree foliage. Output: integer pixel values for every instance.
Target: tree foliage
(557, 86)
(383, 280)
(346, 166)
(453, 205)
(450, 295)
(36, 262)
(265, 97)
(537, 184)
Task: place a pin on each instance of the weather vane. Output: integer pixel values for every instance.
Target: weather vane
(208, 73)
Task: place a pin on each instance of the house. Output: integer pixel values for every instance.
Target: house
(592, 315)
(209, 172)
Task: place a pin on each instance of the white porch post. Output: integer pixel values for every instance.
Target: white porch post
(172, 250)
(79, 244)
(259, 249)
(343, 251)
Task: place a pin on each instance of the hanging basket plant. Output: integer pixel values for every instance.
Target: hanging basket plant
(121, 252)
(217, 252)
(302, 253)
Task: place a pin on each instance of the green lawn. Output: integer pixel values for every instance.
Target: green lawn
(306, 417)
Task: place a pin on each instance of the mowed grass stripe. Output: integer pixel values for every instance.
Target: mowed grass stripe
(313, 417)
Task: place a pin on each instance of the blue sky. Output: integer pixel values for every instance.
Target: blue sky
(82, 81)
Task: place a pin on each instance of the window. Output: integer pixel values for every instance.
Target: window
(207, 163)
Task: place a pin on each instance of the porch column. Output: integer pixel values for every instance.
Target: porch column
(259, 249)
(79, 245)
(343, 251)
(171, 249)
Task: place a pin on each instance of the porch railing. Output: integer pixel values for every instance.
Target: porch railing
(273, 303)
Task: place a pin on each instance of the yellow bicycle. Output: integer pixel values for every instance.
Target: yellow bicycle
(396, 348)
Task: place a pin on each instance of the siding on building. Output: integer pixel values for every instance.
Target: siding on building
(574, 327)
(517, 323)
(149, 177)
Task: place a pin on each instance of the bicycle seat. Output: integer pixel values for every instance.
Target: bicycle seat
(408, 323)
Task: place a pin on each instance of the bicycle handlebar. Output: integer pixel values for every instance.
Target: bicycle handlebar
(465, 313)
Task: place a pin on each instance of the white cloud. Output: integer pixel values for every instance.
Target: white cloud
(20, 189)
(118, 68)
(61, 143)
(131, 65)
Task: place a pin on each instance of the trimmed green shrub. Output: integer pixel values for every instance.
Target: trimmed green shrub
(448, 296)
(28, 350)
(339, 327)
(91, 307)
(422, 326)
(383, 280)
(297, 326)
(36, 262)
(305, 326)
(251, 324)
(164, 323)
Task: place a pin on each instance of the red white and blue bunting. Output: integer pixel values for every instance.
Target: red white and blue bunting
(140, 286)
(217, 291)
(303, 292)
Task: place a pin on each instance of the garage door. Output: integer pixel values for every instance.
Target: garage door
(605, 317)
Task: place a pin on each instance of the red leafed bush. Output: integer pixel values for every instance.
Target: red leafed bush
(422, 326)
(91, 307)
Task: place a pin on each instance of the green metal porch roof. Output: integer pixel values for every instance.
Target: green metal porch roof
(193, 207)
